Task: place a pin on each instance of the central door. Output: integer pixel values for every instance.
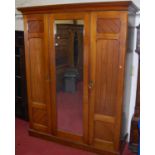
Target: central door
(69, 46)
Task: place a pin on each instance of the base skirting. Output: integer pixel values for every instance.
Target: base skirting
(70, 143)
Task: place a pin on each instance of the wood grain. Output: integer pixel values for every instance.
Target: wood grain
(35, 26)
(75, 144)
(107, 73)
(106, 76)
(37, 73)
(37, 70)
(108, 25)
(79, 7)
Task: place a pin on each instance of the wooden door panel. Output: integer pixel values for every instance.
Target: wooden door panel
(107, 54)
(36, 26)
(40, 119)
(105, 25)
(100, 130)
(37, 70)
(108, 41)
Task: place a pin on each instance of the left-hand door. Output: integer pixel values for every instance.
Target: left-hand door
(37, 70)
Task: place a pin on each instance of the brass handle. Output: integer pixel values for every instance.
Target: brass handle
(91, 84)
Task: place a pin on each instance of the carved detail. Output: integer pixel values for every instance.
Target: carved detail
(35, 26)
(40, 116)
(104, 131)
(108, 25)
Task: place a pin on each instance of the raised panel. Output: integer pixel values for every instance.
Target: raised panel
(35, 26)
(37, 69)
(104, 145)
(107, 55)
(108, 25)
(104, 131)
(39, 116)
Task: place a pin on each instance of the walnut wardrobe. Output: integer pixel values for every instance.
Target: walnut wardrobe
(75, 62)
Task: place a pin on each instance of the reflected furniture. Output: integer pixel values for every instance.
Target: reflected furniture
(21, 107)
(64, 47)
(105, 27)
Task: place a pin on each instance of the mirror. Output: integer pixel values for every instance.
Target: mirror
(69, 75)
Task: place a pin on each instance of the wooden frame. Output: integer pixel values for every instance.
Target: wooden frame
(85, 18)
(75, 144)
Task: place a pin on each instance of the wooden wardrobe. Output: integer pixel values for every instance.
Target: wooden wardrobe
(105, 27)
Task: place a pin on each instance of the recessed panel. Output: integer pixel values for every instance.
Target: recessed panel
(104, 131)
(108, 25)
(106, 76)
(37, 72)
(35, 26)
(39, 116)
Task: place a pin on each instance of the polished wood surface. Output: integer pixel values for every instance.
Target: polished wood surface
(37, 72)
(105, 37)
(107, 74)
(96, 6)
(76, 144)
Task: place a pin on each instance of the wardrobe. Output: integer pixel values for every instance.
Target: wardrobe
(86, 112)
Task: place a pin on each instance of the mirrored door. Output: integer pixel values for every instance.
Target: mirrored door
(68, 38)
(69, 46)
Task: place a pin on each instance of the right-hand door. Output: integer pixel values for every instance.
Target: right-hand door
(107, 61)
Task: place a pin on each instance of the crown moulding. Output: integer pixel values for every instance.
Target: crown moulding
(76, 7)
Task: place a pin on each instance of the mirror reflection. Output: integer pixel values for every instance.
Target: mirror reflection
(69, 75)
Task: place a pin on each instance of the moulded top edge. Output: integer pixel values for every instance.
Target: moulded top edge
(96, 6)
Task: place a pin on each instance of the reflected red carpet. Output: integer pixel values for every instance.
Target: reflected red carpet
(69, 107)
(28, 145)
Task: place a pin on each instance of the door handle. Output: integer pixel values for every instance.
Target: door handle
(91, 84)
